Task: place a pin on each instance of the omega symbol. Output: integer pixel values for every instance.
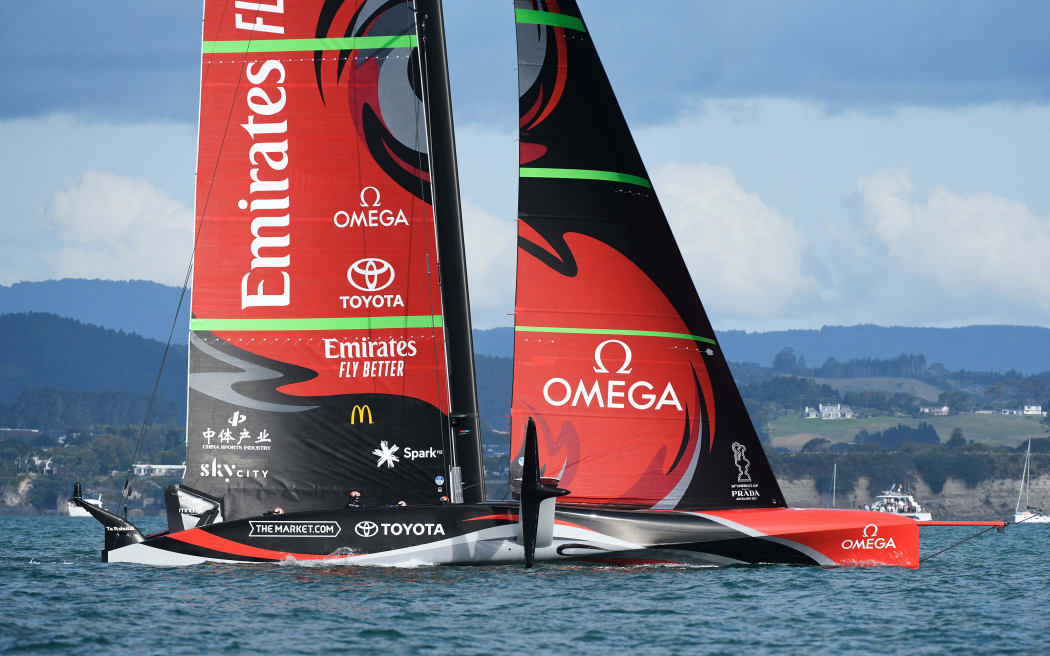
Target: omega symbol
(364, 201)
(624, 368)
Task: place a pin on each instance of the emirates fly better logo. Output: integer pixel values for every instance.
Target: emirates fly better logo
(370, 274)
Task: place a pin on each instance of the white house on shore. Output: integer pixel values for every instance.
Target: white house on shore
(1033, 411)
(936, 412)
(143, 469)
(830, 411)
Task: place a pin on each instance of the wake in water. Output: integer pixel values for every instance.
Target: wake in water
(345, 556)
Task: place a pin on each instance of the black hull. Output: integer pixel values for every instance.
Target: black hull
(489, 533)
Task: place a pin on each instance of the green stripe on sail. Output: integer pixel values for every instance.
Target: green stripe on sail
(549, 18)
(583, 174)
(612, 331)
(335, 323)
(298, 45)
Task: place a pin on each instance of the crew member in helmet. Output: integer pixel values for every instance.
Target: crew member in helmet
(354, 501)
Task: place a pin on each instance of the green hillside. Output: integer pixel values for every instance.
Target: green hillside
(919, 388)
(1003, 430)
(38, 349)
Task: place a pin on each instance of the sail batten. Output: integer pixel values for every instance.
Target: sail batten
(302, 45)
(614, 356)
(318, 323)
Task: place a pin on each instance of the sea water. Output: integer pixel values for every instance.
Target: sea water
(990, 595)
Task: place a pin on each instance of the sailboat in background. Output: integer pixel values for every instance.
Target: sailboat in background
(330, 341)
(1029, 515)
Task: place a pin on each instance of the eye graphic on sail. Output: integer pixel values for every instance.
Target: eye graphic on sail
(383, 93)
(614, 354)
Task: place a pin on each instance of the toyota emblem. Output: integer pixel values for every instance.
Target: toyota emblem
(370, 274)
(366, 529)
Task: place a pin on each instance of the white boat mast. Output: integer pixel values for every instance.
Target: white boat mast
(1024, 476)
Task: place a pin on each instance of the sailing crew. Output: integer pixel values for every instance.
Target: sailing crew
(355, 500)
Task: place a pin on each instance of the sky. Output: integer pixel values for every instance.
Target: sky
(821, 162)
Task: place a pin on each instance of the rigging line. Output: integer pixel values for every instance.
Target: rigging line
(964, 540)
(424, 74)
(186, 280)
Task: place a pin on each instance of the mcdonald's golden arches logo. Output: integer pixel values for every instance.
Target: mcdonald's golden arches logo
(359, 413)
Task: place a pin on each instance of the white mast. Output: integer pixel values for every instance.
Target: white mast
(834, 480)
(1024, 475)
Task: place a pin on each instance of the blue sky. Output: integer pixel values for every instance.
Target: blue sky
(820, 162)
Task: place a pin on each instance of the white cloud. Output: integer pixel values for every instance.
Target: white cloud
(745, 258)
(491, 245)
(116, 227)
(954, 255)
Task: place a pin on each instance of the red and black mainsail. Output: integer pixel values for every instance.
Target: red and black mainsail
(614, 355)
(318, 360)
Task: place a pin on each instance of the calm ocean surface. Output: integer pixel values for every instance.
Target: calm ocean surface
(991, 595)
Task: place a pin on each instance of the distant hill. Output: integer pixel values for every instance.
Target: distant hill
(146, 308)
(134, 306)
(977, 348)
(66, 370)
(498, 342)
(38, 350)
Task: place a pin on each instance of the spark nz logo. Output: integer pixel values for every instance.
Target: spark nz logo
(372, 216)
(869, 540)
(610, 391)
(386, 455)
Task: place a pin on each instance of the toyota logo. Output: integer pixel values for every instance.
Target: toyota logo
(370, 274)
(366, 529)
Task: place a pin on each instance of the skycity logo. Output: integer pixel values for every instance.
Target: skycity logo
(226, 472)
(869, 540)
(371, 275)
(610, 392)
(373, 216)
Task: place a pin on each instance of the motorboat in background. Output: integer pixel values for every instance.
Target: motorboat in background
(897, 501)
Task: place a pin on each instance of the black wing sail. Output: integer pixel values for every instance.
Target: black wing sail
(614, 354)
